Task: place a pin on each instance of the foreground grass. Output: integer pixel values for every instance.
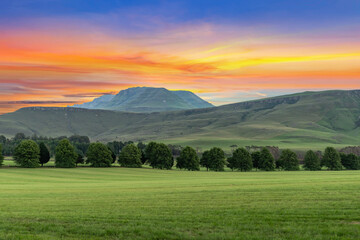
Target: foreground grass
(118, 203)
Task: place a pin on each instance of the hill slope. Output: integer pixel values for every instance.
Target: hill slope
(146, 99)
(310, 119)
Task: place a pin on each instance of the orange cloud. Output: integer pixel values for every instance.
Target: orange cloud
(60, 66)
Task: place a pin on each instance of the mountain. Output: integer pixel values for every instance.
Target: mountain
(298, 121)
(147, 99)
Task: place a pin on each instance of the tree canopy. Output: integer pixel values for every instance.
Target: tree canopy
(267, 161)
(241, 160)
(350, 161)
(331, 159)
(27, 154)
(44, 154)
(159, 155)
(288, 161)
(65, 156)
(130, 156)
(312, 161)
(256, 159)
(188, 159)
(99, 155)
(1, 156)
(216, 159)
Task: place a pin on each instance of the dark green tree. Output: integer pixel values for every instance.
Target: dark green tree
(79, 158)
(312, 161)
(148, 151)
(216, 159)
(241, 160)
(256, 159)
(99, 155)
(65, 155)
(2, 139)
(350, 161)
(143, 156)
(130, 156)
(19, 136)
(113, 155)
(331, 159)
(1, 156)
(205, 160)
(288, 161)
(267, 161)
(188, 159)
(27, 154)
(44, 154)
(159, 156)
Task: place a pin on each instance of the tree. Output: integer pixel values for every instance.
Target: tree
(113, 155)
(65, 155)
(2, 139)
(241, 160)
(19, 136)
(188, 159)
(312, 161)
(267, 161)
(256, 159)
(205, 160)
(130, 156)
(350, 161)
(80, 158)
(44, 154)
(331, 159)
(288, 161)
(216, 159)
(159, 156)
(99, 155)
(27, 154)
(1, 156)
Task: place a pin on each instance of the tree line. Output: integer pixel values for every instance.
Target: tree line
(28, 153)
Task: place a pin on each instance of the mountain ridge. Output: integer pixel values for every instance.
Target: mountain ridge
(147, 99)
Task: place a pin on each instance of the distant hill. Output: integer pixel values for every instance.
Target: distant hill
(305, 120)
(147, 99)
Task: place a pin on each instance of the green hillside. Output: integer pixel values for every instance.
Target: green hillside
(305, 120)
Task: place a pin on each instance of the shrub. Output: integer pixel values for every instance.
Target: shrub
(44, 154)
(312, 161)
(267, 161)
(130, 156)
(99, 155)
(27, 154)
(188, 159)
(159, 156)
(65, 155)
(288, 161)
(331, 159)
(241, 160)
(350, 161)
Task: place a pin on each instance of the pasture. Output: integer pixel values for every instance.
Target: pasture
(119, 203)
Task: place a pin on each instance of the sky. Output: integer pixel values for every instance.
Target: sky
(65, 52)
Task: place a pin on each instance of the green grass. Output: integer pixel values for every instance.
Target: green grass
(119, 203)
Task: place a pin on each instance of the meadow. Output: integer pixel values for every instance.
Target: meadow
(123, 203)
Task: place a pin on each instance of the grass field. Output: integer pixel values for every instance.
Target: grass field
(119, 203)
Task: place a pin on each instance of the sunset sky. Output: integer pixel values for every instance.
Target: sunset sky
(62, 52)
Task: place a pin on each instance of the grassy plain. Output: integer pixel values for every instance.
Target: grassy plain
(119, 203)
